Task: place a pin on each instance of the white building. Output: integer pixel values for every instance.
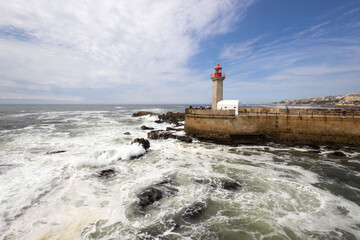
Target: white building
(229, 105)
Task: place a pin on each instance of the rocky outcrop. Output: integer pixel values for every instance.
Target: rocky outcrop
(149, 196)
(230, 185)
(169, 117)
(166, 135)
(156, 192)
(144, 142)
(336, 154)
(172, 118)
(107, 173)
(174, 129)
(143, 113)
(143, 127)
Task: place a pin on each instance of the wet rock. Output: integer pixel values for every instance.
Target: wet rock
(107, 173)
(336, 154)
(166, 135)
(184, 139)
(143, 113)
(144, 142)
(158, 135)
(174, 129)
(173, 118)
(149, 196)
(158, 121)
(143, 127)
(313, 146)
(127, 133)
(230, 185)
(194, 212)
(156, 192)
(55, 152)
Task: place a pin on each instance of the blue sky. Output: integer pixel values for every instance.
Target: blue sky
(124, 51)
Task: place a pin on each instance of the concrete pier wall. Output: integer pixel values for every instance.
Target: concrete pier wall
(321, 127)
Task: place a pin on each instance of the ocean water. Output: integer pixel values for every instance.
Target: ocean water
(287, 192)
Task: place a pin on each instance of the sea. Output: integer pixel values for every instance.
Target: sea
(51, 158)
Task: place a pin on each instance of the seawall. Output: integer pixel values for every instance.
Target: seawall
(299, 126)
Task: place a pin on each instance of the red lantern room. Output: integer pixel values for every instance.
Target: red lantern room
(218, 71)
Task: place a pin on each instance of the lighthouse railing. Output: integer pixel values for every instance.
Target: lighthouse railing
(217, 74)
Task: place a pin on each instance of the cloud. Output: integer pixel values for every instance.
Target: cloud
(139, 46)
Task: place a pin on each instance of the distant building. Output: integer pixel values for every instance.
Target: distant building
(351, 98)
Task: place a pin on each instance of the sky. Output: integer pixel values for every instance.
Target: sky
(163, 52)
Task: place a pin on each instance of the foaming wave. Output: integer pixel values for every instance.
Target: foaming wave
(99, 159)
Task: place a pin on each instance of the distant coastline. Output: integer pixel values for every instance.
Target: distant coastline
(348, 100)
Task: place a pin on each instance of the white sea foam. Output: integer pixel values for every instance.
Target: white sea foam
(103, 158)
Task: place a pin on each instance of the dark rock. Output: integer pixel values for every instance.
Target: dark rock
(313, 146)
(229, 185)
(158, 135)
(143, 127)
(149, 196)
(143, 113)
(194, 212)
(171, 117)
(184, 139)
(174, 129)
(144, 142)
(107, 173)
(158, 121)
(166, 135)
(336, 154)
(127, 133)
(156, 192)
(55, 152)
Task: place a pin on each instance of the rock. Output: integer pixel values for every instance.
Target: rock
(127, 133)
(55, 152)
(143, 113)
(149, 196)
(143, 127)
(166, 135)
(144, 142)
(194, 212)
(336, 154)
(174, 129)
(156, 192)
(184, 139)
(107, 173)
(171, 117)
(158, 121)
(314, 146)
(229, 185)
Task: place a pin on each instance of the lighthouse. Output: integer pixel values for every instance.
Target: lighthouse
(217, 92)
